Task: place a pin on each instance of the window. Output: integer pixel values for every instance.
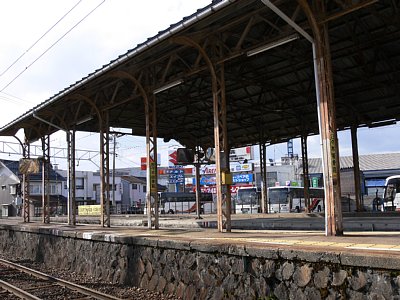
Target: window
(13, 189)
(53, 189)
(79, 183)
(144, 189)
(35, 189)
(3, 187)
(134, 186)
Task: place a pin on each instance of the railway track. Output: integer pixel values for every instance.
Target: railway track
(22, 282)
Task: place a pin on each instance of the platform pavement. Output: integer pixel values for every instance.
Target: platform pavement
(381, 243)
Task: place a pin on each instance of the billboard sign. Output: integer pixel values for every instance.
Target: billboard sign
(237, 178)
(212, 169)
(240, 154)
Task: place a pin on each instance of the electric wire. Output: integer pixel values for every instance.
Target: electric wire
(56, 42)
(39, 39)
(11, 98)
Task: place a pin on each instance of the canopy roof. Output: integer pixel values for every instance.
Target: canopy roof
(270, 96)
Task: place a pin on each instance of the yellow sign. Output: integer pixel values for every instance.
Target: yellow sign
(89, 210)
(153, 177)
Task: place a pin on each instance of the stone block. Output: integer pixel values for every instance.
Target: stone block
(358, 281)
(339, 278)
(321, 278)
(286, 271)
(381, 285)
(371, 261)
(281, 292)
(260, 252)
(302, 275)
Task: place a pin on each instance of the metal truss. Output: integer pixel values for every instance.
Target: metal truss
(263, 167)
(151, 149)
(71, 178)
(46, 179)
(25, 185)
(306, 177)
(105, 172)
(12, 148)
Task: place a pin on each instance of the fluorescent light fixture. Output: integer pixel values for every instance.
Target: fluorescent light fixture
(168, 86)
(273, 44)
(382, 123)
(84, 120)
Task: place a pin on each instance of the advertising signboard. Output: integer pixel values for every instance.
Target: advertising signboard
(237, 178)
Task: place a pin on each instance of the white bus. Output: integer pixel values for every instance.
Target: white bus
(182, 203)
(247, 200)
(391, 193)
(285, 199)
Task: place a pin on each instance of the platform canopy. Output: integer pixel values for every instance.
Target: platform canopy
(270, 94)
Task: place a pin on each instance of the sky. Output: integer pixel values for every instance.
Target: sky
(48, 45)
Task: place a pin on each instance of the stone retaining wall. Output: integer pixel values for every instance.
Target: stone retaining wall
(199, 270)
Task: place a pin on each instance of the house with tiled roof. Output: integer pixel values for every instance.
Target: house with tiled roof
(134, 190)
(58, 199)
(10, 197)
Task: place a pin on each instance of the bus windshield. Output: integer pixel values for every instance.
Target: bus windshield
(247, 196)
(292, 199)
(276, 196)
(247, 200)
(391, 195)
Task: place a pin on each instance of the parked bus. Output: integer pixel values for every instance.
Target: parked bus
(391, 193)
(284, 199)
(181, 203)
(248, 200)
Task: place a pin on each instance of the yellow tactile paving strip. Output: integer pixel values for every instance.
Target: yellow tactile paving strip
(359, 246)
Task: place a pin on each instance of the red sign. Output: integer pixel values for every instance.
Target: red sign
(172, 158)
(143, 163)
(213, 189)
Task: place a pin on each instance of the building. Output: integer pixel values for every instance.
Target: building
(134, 191)
(374, 169)
(58, 199)
(10, 198)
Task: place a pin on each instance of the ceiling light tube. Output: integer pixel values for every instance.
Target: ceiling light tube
(84, 120)
(273, 44)
(382, 123)
(168, 86)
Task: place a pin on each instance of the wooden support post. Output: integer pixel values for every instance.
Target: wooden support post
(152, 174)
(330, 149)
(356, 168)
(223, 175)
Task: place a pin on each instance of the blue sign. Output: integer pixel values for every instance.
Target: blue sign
(176, 178)
(237, 178)
(174, 171)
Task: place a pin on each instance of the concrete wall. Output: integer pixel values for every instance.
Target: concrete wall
(200, 270)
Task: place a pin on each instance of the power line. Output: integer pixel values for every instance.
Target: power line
(40, 56)
(14, 99)
(39, 39)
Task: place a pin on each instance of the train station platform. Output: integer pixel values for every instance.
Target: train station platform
(289, 231)
(202, 263)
